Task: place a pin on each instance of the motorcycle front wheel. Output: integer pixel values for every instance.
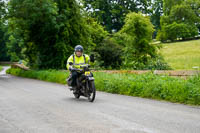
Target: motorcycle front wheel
(91, 91)
(76, 95)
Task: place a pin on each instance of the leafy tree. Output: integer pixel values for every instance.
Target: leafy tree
(157, 11)
(168, 4)
(48, 30)
(183, 14)
(195, 6)
(181, 22)
(15, 47)
(3, 30)
(111, 13)
(97, 34)
(136, 35)
(181, 30)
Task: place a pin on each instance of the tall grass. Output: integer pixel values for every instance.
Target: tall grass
(145, 85)
(151, 86)
(1, 68)
(45, 75)
(182, 55)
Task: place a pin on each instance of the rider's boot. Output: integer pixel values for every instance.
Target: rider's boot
(75, 90)
(72, 88)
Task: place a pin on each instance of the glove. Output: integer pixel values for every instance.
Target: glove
(70, 68)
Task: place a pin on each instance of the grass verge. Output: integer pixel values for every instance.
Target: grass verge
(145, 85)
(1, 68)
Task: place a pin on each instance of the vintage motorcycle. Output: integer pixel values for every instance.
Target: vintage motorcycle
(85, 83)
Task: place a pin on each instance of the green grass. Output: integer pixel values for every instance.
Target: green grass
(182, 55)
(45, 75)
(145, 85)
(1, 68)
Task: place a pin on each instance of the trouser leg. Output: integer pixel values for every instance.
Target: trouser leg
(74, 77)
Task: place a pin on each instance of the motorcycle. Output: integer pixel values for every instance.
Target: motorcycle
(85, 83)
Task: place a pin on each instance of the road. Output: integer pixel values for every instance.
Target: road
(32, 106)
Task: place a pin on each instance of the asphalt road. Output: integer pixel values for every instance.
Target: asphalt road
(32, 106)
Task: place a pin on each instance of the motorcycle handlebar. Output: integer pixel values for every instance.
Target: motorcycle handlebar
(75, 69)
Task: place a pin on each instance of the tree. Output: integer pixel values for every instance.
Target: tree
(3, 29)
(111, 13)
(136, 35)
(168, 4)
(181, 22)
(48, 30)
(97, 33)
(195, 6)
(157, 12)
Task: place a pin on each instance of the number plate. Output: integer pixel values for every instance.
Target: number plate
(91, 78)
(87, 73)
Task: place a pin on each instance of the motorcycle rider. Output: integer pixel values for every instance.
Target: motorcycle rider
(76, 60)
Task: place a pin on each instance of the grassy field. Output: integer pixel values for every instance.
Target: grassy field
(145, 85)
(182, 55)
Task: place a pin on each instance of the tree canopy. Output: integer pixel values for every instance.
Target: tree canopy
(3, 36)
(48, 30)
(180, 20)
(111, 13)
(44, 33)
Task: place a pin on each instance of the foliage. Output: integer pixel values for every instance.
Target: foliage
(47, 27)
(181, 20)
(135, 36)
(168, 5)
(195, 6)
(97, 34)
(145, 85)
(112, 13)
(3, 30)
(15, 47)
(155, 63)
(181, 30)
(150, 86)
(109, 54)
(157, 11)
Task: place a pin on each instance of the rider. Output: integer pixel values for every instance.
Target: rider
(77, 59)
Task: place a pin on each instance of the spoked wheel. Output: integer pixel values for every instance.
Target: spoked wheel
(91, 91)
(76, 94)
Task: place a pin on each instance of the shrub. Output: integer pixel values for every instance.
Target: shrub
(109, 54)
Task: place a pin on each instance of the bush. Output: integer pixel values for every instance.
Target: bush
(109, 54)
(156, 63)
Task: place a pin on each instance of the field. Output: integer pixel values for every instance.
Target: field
(182, 55)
